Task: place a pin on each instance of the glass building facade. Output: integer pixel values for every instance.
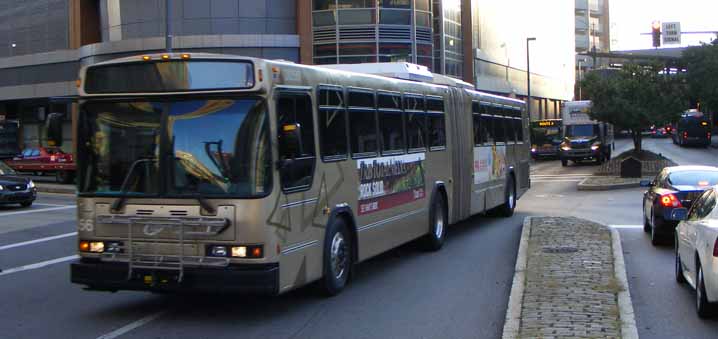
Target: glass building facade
(357, 31)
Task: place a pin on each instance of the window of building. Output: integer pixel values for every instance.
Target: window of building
(423, 19)
(357, 59)
(422, 5)
(396, 51)
(356, 17)
(395, 17)
(325, 50)
(357, 49)
(324, 19)
(396, 3)
(320, 5)
(357, 3)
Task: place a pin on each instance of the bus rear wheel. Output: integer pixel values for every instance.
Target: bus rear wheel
(337, 258)
(434, 240)
(507, 209)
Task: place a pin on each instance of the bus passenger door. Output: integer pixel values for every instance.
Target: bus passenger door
(298, 201)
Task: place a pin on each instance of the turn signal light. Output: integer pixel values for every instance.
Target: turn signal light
(670, 200)
(165, 56)
(185, 56)
(92, 246)
(146, 58)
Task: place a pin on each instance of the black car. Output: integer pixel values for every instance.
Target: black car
(15, 189)
(674, 187)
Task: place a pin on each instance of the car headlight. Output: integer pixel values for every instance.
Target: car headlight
(565, 147)
(1, 188)
(31, 184)
(533, 149)
(595, 147)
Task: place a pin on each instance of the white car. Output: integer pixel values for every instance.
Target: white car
(697, 250)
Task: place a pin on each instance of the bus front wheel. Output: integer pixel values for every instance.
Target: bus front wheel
(337, 258)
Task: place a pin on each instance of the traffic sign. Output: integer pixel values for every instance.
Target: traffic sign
(671, 33)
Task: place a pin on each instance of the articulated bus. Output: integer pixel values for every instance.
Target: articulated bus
(226, 173)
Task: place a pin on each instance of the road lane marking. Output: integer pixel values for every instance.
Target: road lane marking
(30, 242)
(131, 326)
(51, 205)
(38, 265)
(557, 180)
(626, 226)
(39, 210)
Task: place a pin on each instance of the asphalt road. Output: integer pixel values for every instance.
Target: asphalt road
(663, 308)
(459, 292)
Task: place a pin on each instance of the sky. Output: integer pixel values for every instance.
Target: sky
(630, 18)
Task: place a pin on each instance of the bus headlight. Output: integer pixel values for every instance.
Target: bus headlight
(236, 251)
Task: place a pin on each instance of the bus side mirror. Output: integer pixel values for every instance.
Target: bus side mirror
(54, 129)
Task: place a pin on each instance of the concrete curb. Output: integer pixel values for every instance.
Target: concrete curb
(56, 189)
(625, 306)
(582, 186)
(512, 322)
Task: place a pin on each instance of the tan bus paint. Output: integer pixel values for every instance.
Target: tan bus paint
(162, 241)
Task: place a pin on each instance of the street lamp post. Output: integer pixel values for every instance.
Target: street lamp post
(168, 26)
(579, 78)
(528, 77)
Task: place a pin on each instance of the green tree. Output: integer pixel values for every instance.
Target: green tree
(701, 63)
(635, 97)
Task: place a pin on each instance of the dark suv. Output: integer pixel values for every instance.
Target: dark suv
(15, 189)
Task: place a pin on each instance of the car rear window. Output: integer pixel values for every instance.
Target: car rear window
(693, 178)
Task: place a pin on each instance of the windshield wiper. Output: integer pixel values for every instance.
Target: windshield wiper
(117, 204)
(203, 202)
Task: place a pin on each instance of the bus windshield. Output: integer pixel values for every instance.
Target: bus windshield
(545, 135)
(584, 131)
(214, 147)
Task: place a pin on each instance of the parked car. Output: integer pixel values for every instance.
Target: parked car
(674, 187)
(41, 160)
(696, 252)
(15, 189)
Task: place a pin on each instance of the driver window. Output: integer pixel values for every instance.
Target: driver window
(295, 132)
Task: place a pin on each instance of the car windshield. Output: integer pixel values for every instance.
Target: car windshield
(693, 178)
(581, 130)
(217, 147)
(5, 169)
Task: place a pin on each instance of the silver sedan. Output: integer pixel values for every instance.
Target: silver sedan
(697, 251)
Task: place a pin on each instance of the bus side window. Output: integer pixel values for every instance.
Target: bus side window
(487, 130)
(498, 126)
(477, 123)
(332, 125)
(435, 118)
(297, 157)
(391, 123)
(518, 128)
(415, 123)
(363, 125)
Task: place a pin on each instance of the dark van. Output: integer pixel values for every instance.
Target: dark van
(693, 128)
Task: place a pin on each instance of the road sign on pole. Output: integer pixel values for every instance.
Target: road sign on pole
(671, 33)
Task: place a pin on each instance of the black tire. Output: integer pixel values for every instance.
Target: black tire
(703, 307)
(434, 240)
(337, 246)
(656, 239)
(507, 209)
(680, 279)
(646, 225)
(26, 204)
(564, 162)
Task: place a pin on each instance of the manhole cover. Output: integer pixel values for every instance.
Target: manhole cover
(560, 249)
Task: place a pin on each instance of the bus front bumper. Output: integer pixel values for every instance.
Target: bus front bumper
(243, 279)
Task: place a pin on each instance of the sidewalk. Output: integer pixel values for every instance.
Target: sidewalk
(570, 282)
